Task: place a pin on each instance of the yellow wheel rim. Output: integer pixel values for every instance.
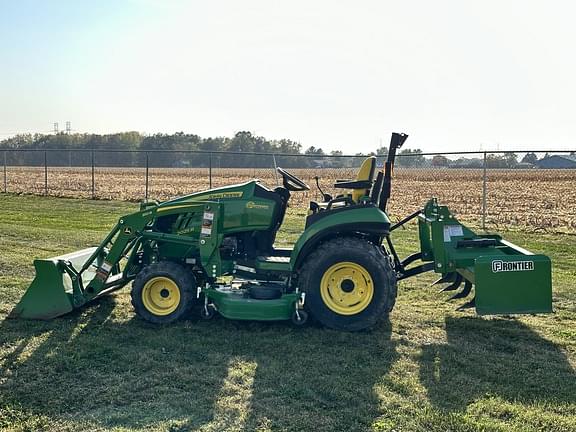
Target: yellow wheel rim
(347, 288)
(161, 296)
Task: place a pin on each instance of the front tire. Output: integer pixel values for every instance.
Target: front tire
(349, 284)
(163, 292)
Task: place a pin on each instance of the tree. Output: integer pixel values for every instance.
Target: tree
(496, 161)
(511, 160)
(440, 161)
(314, 161)
(286, 146)
(411, 158)
(530, 158)
(243, 142)
(173, 142)
(467, 163)
(18, 141)
(211, 144)
(314, 151)
(337, 162)
(382, 151)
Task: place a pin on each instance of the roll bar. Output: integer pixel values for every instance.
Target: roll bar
(396, 142)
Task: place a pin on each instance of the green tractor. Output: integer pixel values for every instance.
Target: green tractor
(214, 252)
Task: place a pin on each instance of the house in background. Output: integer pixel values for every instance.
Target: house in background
(557, 162)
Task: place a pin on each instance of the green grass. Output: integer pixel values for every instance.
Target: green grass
(428, 369)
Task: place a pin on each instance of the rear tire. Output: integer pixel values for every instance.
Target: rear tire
(163, 292)
(349, 283)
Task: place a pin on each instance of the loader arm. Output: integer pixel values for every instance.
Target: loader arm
(67, 282)
(122, 241)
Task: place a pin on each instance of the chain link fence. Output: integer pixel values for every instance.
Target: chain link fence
(489, 190)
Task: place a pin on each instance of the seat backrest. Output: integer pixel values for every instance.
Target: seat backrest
(377, 188)
(365, 173)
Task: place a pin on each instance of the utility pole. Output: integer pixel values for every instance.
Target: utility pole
(68, 127)
(55, 128)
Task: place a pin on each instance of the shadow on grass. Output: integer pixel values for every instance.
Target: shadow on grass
(92, 367)
(500, 357)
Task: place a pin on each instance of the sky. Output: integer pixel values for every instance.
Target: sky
(340, 75)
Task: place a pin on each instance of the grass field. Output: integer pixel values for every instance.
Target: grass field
(541, 200)
(428, 369)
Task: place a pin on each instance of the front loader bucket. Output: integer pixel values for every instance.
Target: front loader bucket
(51, 292)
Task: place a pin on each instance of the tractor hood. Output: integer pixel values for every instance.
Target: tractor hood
(237, 191)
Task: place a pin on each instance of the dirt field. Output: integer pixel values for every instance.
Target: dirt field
(524, 199)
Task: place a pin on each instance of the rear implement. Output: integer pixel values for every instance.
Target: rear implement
(507, 279)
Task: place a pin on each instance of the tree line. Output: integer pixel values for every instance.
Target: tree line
(287, 153)
(125, 145)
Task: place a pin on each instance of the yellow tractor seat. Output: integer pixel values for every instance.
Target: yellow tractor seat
(364, 179)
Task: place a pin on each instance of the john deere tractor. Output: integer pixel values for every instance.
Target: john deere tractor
(213, 252)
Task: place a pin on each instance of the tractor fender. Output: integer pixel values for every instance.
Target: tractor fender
(375, 223)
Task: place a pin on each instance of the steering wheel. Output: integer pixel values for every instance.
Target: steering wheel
(291, 182)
